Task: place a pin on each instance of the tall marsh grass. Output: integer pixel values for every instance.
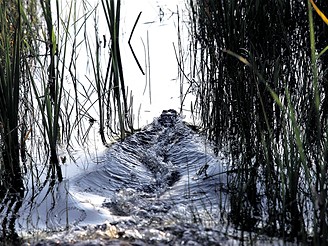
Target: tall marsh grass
(114, 76)
(11, 108)
(115, 115)
(39, 45)
(268, 108)
(11, 51)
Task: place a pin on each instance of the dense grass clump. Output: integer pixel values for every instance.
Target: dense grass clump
(12, 127)
(10, 94)
(39, 52)
(44, 104)
(262, 92)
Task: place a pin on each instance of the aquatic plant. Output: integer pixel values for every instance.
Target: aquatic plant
(115, 116)
(270, 109)
(10, 76)
(39, 74)
(12, 126)
(49, 95)
(114, 75)
(50, 106)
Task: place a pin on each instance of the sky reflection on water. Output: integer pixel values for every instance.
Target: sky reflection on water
(153, 42)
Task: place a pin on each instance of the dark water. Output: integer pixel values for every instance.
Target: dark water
(160, 180)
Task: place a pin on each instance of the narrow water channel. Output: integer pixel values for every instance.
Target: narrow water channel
(162, 177)
(97, 184)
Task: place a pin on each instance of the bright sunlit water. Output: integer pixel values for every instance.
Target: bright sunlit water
(155, 42)
(155, 35)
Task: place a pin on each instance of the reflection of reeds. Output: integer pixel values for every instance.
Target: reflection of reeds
(270, 108)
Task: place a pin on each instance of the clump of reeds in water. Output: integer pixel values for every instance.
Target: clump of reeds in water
(38, 112)
(261, 90)
(11, 51)
(12, 126)
(36, 106)
(110, 86)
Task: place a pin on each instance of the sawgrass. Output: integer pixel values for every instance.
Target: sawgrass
(115, 77)
(13, 129)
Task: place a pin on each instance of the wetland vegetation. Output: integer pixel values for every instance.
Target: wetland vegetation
(260, 80)
(260, 75)
(39, 49)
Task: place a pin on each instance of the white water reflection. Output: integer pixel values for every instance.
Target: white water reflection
(158, 30)
(153, 42)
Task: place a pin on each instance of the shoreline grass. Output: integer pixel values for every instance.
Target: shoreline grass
(36, 103)
(263, 93)
(10, 73)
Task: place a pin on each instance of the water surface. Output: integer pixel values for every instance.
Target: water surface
(165, 173)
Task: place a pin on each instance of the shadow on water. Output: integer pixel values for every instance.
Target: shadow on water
(11, 202)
